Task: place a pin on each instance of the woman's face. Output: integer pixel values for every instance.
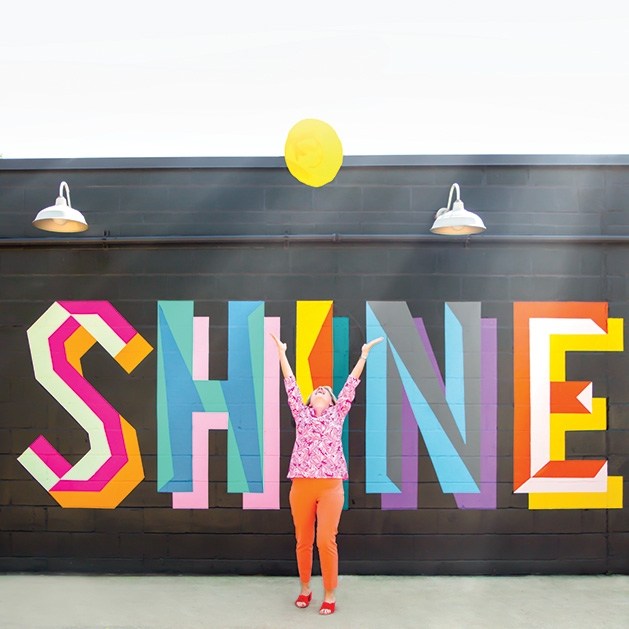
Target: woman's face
(321, 397)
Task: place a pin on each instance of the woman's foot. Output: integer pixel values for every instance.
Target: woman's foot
(305, 596)
(329, 603)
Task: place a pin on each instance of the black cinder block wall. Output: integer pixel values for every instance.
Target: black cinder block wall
(221, 231)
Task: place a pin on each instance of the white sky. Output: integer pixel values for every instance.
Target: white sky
(139, 78)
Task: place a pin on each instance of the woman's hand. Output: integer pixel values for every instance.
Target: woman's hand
(364, 352)
(281, 350)
(367, 346)
(281, 347)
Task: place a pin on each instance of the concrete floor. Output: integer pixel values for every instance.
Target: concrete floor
(182, 602)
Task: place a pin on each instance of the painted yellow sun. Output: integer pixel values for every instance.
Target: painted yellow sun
(313, 152)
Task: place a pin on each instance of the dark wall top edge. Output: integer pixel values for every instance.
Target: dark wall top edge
(317, 239)
(119, 163)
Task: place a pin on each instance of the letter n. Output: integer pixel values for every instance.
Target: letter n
(456, 417)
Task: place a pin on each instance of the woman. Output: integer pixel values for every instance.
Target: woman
(317, 469)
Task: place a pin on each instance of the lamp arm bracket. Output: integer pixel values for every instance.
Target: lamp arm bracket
(63, 185)
(454, 186)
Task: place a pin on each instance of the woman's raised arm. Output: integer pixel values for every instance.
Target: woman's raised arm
(360, 364)
(281, 351)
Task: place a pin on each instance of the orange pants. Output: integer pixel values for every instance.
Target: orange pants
(321, 498)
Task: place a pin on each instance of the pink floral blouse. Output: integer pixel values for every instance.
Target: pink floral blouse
(318, 450)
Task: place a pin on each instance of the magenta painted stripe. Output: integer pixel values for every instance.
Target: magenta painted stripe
(99, 406)
(83, 389)
(407, 499)
(79, 487)
(423, 335)
(106, 312)
(201, 348)
(487, 498)
(51, 458)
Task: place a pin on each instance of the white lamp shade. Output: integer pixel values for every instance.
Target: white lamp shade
(60, 218)
(457, 221)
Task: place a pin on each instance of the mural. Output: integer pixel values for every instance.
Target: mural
(407, 398)
(406, 394)
(113, 466)
(547, 405)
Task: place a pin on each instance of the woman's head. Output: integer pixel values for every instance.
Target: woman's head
(320, 394)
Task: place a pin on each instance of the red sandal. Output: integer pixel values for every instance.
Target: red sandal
(327, 608)
(303, 601)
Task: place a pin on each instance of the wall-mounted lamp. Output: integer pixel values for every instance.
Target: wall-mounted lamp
(456, 220)
(61, 217)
